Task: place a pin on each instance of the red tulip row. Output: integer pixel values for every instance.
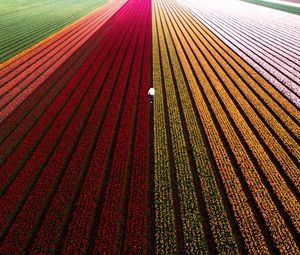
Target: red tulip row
(64, 197)
(111, 211)
(134, 242)
(98, 173)
(23, 76)
(19, 142)
(41, 180)
(23, 118)
(16, 126)
(39, 167)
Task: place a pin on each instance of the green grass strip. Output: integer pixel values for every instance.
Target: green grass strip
(277, 6)
(25, 23)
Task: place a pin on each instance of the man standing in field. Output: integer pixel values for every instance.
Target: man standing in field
(151, 94)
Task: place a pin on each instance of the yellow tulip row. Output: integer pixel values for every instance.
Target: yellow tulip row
(193, 234)
(165, 231)
(214, 91)
(278, 184)
(225, 242)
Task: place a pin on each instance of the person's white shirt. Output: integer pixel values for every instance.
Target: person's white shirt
(151, 92)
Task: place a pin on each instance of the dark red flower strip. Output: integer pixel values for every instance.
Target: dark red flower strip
(84, 210)
(11, 100)
(12, 121)
(136, 224)
(48, 175)
(49, 89)
(55, 218)
(28, 142)
(9, 201)
(51, 171)
(13, 129)
(111, 212)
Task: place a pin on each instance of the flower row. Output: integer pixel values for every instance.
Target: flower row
(165, 229)
(193, 234)
(55, 153)
(218, 99)
(272, 51)
(137, 223)
(214, 206)
(61, 205)
(109, 234)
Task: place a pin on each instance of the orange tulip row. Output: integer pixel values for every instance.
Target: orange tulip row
(275, 179)
(242, 210)
(278, 184)
(228, 109)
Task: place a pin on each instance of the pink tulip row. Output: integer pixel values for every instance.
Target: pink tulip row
(264, 46)
(271, 50)
(284, 65)
(23, 76)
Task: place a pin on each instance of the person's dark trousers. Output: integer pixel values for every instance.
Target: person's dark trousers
(151, 98)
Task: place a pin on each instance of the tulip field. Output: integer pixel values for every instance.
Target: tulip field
(89, 166)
